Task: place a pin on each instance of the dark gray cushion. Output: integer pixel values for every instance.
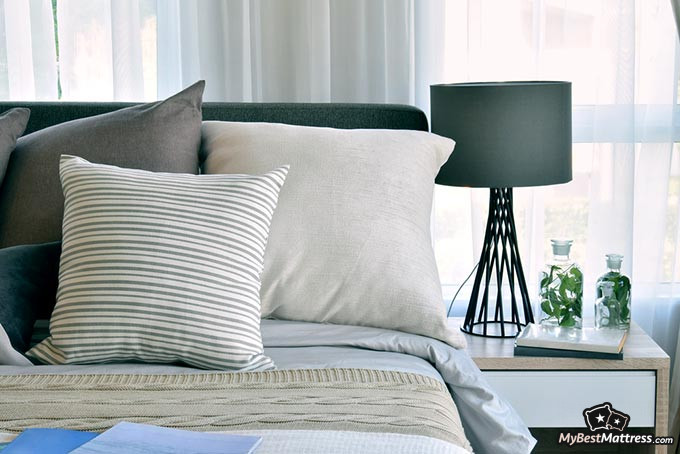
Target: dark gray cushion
(12, 125)
(28, 289)
(160, 137)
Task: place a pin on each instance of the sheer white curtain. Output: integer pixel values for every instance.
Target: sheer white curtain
(621, 55)
(107, 49)
(295, 50)
(28, 66)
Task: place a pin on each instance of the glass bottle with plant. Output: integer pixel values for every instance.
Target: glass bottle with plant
(561, 288)
(615, 312)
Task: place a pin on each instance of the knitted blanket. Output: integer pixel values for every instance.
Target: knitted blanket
(358, 400)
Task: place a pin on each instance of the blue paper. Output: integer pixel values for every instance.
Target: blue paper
(131, 438)
(47, 441)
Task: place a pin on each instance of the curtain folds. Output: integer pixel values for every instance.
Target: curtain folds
(674, 404)
(296, 50)
(28, 63)
(621, 56)
(101, 49)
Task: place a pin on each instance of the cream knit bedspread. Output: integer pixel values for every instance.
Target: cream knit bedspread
(358, 400)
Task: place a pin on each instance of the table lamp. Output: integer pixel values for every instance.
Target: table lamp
(508, 134)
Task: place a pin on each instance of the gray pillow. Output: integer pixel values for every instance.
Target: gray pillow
(12, 125)
(161, 137)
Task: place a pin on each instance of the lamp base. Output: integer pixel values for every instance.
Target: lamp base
(493, 329)
(499, 259)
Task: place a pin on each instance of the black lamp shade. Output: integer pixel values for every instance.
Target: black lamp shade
(508, 134)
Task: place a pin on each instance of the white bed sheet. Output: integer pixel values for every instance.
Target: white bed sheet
(284, 358)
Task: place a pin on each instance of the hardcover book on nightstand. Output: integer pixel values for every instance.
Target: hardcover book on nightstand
(539, 340)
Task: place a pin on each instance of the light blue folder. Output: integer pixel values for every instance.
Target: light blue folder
(130, 438)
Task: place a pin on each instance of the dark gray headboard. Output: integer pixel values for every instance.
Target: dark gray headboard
(346, 116)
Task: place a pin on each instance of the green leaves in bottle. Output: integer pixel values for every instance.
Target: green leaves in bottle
(561, 294)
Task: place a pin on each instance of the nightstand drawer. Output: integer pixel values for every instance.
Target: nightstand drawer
(557, 398)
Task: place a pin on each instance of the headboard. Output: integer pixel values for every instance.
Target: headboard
(333, 115)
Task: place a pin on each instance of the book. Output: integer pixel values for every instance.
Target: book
(132, 438)
(47, 441)
(574, 339)
(559, 353)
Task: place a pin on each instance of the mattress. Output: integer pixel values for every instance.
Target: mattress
(488, 423)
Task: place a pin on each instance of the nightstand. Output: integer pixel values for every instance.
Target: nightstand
(551, 393)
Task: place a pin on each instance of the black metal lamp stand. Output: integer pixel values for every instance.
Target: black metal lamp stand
(499, 259)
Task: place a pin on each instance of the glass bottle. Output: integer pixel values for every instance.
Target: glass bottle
(603, 305)
(618, 303)
(561, 288)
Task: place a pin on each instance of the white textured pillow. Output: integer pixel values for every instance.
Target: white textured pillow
(350, 240)
(160, 267)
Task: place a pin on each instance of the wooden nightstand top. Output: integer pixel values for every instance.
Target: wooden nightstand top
(639, 353)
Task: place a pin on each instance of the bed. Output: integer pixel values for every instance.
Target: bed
(337, 388)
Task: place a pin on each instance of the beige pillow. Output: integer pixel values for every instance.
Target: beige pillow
(350, 240)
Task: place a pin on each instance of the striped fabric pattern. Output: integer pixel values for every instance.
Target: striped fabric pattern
(161, 268)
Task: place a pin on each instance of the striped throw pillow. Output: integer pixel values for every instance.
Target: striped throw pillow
(160, 267)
